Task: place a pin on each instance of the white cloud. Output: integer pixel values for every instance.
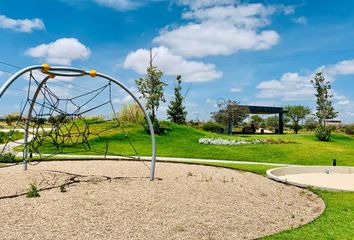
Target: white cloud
(290, 87)
(171, 64)
(248, 16)
(343, 102)
(220, 30)
(286, 9)
(300, 20)
(196, 4)
(120, 5)
(345, 67)
(21, 25)
(293, 86)
(236, 90)
(63, 51)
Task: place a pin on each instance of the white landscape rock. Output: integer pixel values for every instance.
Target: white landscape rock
(220, 141)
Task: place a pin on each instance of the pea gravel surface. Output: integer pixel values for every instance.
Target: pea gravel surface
(115, 200)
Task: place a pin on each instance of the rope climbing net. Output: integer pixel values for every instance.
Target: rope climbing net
(56, 117)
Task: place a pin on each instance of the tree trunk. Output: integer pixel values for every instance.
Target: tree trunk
(229, 127)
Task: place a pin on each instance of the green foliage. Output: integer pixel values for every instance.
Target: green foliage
(323, 133)
(39, 121)
(295, 127)
(5, 136)
(62, 188)
(296, 113)
(33, 191)
(257, 120)
(311, 124)
(93, 119)
(272, 122)
(324, 107)
(213, 127)
(176, 111)
(7, 158)
(230, 113)
(152, 88)
(159, 127)
(11, 118)
(131, 113)
(55, 120)
(195, 123)
(347, 129)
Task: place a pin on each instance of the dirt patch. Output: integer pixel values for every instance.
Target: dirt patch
(116, 200)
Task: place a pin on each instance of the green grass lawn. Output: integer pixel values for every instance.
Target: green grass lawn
(337, 221)
(182, 141)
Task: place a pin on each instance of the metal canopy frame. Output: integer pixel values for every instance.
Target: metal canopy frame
(268, 110)
(51, 72)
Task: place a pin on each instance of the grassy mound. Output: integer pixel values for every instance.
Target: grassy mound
(182, 141)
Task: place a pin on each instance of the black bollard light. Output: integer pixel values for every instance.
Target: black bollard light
(334, 162)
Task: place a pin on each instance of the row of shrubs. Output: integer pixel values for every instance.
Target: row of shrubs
(7, 158)
(4, 136)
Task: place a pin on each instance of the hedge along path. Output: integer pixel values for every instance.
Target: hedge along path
(116, 200)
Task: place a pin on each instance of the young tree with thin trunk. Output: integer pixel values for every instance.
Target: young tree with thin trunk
(176, 111)
(152, 88)
(324, 107)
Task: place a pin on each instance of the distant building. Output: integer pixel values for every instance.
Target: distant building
(333, 122)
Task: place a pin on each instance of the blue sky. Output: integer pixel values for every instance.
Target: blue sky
(255, 52)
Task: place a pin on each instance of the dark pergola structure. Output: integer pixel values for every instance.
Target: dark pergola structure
(268, 110)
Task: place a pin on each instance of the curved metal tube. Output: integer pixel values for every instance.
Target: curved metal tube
(28, 121)
(78, 72)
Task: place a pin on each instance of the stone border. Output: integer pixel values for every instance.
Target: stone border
(276, 173)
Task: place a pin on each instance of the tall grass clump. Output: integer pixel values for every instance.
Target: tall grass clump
(131, 113)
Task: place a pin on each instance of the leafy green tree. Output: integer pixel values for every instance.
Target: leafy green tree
(324, 107)
(272, 122)
(296, 113)
(230, 113)
(176, 110)
(152, 88)
(257, 120)
(11, 118)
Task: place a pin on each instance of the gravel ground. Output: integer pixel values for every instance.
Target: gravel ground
(116, 200)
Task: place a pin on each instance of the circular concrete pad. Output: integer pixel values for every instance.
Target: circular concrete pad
(116, 200)
(322, 177)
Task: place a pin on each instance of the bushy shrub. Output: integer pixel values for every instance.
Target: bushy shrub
(33, 191)
(323, 133)
(7, 158)
(11, 118)
(94, 119)
(347, 129)
(310, 124)
(194, 123)
(59, 119)
(15, 135)
(213, 127)
(131, 113)
(159, 127)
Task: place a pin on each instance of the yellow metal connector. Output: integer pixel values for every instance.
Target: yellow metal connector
(92, 73)
(45, 67)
